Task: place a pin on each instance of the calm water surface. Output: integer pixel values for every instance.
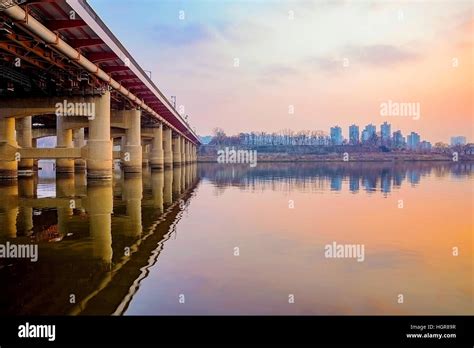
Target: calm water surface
(166, 242)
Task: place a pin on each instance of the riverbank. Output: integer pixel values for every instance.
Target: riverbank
(352, 157)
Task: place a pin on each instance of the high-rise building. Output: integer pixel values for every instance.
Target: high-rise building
(368, 133)
(354, 134)
(458, 140)
(398, 140)
(385, 131)
(336, 135)
(425, 145)
(413, 141)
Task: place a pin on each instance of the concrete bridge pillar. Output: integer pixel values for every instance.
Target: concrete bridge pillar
(8, 167)
(64, 140)
(133, 155)
(157, 157)
(177, 151)
(24, 139)
(34, 144)
(167, 148)
(188, 152)
(99, 146)
(79, 142)
(191, 152)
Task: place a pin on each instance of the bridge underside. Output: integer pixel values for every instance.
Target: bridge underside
(63, 73)
(85, 141)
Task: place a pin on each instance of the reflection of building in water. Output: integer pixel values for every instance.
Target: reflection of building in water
(354, 183)
(318, 177)
(336, 183)
(386, 182)
(414, 177)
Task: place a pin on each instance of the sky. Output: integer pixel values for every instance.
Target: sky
(253, 65)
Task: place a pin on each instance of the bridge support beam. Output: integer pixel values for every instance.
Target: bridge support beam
(8, 167)
(99, 146)
(167, 148)
(23, 135)
(64, 140)
(157, 157)
(79, 142)
(133, 151)
(177, 151)
(34, 145)
(188, 152)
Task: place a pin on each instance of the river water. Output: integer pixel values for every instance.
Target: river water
(231, 239)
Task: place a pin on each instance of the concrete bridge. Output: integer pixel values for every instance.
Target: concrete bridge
(63, 73)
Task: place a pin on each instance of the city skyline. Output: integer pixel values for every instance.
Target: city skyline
(360, 133)
(293, 64)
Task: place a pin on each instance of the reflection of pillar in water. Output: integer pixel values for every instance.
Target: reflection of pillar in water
(79, 142)
(194, 173)
(132, 195)
(99, 207)
(157, 183)
(8, 209)
(188, 175)
(183, 178)
(177, 180)
(168, 186)
(65, 189)
(80, 184)
(26, 189)
(65, 186)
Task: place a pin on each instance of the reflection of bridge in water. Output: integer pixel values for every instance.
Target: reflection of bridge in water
(95, 240)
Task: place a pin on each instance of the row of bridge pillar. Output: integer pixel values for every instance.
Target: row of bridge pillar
(160, 147)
